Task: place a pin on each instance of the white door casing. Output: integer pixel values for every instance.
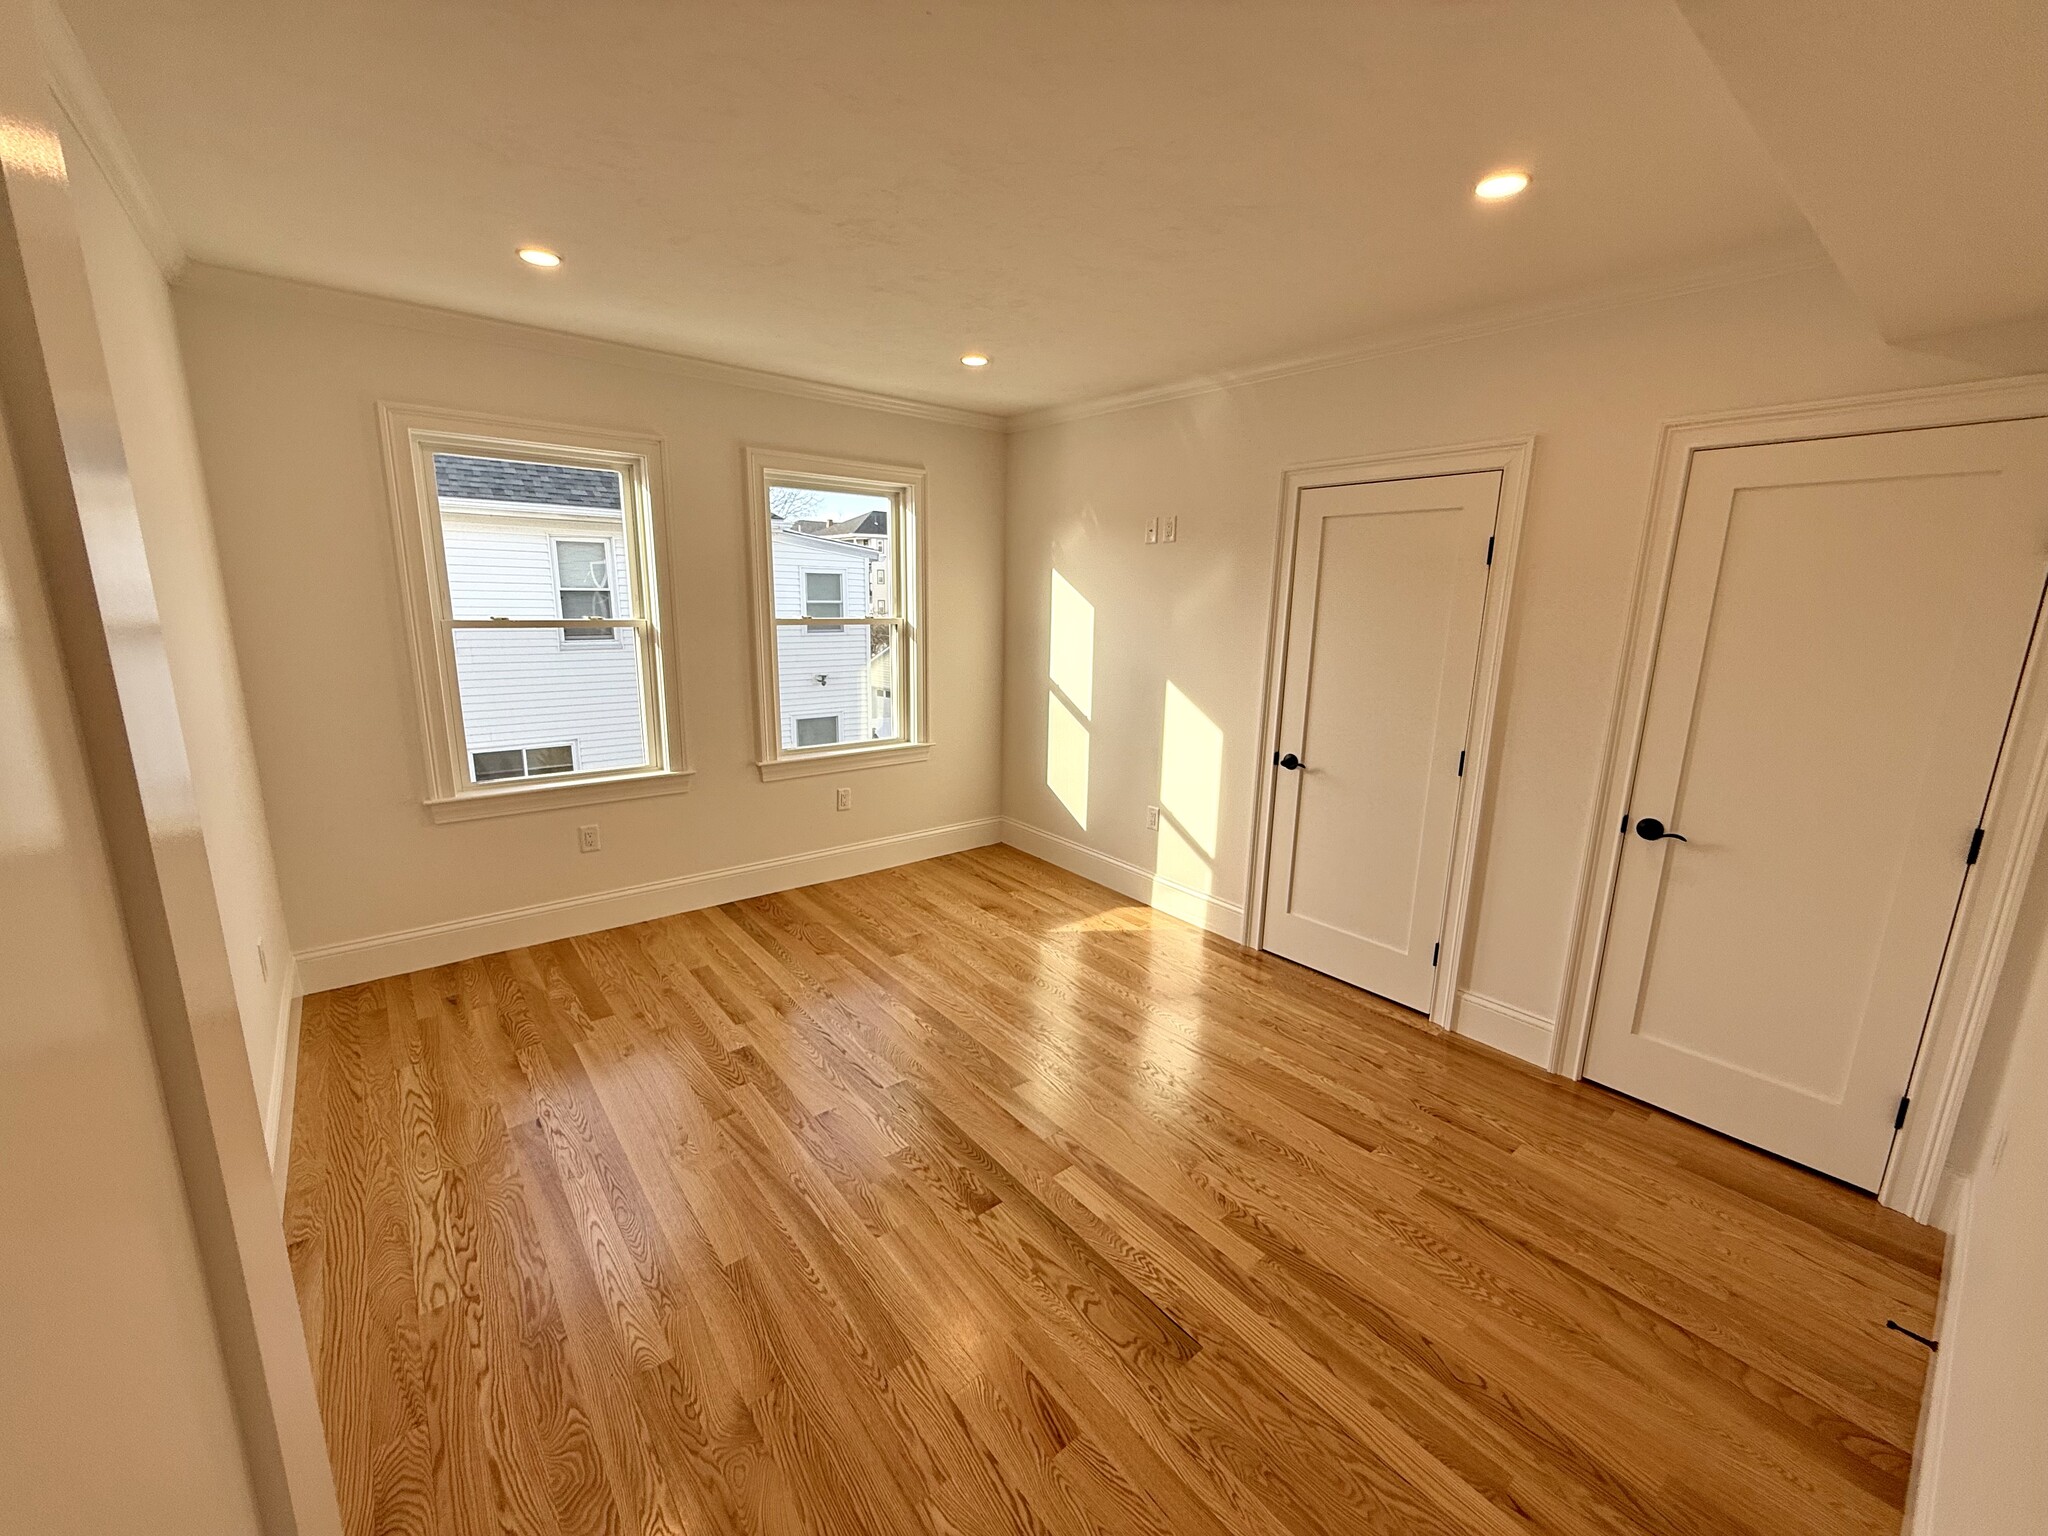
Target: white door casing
(1842, 638)
(1382, 643)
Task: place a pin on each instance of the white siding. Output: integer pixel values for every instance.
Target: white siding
(532, 688)
(842, 658)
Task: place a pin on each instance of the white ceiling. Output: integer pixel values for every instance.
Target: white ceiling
(1915, 136)
(1102, 194)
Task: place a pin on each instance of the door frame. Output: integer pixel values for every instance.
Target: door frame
(2014, 817)
(1511, 458)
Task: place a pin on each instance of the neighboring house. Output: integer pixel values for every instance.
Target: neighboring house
(823, 674)
(527, 541)
(540, 541)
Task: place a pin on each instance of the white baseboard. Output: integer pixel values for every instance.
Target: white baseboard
(413, 949)
(284, 1076)
(1952, 1211)
(1521, 1034)
(1140, 884)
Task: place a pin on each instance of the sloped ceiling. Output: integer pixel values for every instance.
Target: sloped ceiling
(1914, 135)
(1103, 194)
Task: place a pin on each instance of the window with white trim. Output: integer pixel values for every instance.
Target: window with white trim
(824, 598)
(837, 561)
(529, 563)
(583, 587)
(522, 762)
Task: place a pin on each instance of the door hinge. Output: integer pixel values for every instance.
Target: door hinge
(1434, 951)
(1976, 845)
(1899, 1120)
(1489, 549)
(1461, 765)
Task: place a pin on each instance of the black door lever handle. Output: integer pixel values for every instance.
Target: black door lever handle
(1290, 762)
(1651, 830)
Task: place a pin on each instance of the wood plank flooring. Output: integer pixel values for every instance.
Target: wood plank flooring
(970, 1198)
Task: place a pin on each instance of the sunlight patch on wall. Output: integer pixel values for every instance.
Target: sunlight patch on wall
(1190, 805)
(1066, 758)
(1070, 697)
(1071, 662)
(1181, 876)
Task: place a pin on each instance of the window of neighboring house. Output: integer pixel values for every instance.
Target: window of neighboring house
(522, 763)
(825, 598)
(583, 587)
(530, 561)
(838, 562)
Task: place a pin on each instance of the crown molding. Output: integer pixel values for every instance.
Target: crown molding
(90, 117)
(1758, 265)
(209, 280)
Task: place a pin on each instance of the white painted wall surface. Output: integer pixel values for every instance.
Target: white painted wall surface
(146, 370)
(115, 1418)
(285, 380)
(1172, 636)
(1979, 1470)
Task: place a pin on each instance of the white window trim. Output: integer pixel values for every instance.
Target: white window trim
(411, 435)
(906, 484)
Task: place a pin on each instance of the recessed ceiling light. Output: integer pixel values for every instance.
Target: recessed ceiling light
(1501, 184)
(539, 256)
(975, 360)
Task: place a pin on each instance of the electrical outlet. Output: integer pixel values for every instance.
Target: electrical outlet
(262, 960)
(845, 799)
(1152, 531)
(587, 840)
(1152, 817)
(1172, 527)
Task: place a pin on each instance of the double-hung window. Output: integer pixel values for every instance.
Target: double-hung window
(838, 564)
(529, 559)
(583, 582)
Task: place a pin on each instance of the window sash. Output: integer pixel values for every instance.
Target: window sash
(413, 438)
(625, 623)
(900, 735)
(903, 488)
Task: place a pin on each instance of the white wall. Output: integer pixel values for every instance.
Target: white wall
(1980, 1469)
(1179, 629)
(285, 380)
(115, 1418)
(145, 369)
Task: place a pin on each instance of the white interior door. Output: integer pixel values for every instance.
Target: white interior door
(1376, 695)
(1841, 643)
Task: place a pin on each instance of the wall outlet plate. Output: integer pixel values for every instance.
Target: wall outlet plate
(587, 839)
(1152, 531)
(1172, 529)
(1152, 817)
(845, 799)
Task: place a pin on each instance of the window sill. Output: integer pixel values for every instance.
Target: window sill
(481, 803)
(813, 763)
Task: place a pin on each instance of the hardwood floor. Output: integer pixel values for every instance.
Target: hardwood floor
(970, 1198)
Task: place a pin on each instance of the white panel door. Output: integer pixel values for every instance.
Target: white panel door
(1843, 636)
(1376, 697)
